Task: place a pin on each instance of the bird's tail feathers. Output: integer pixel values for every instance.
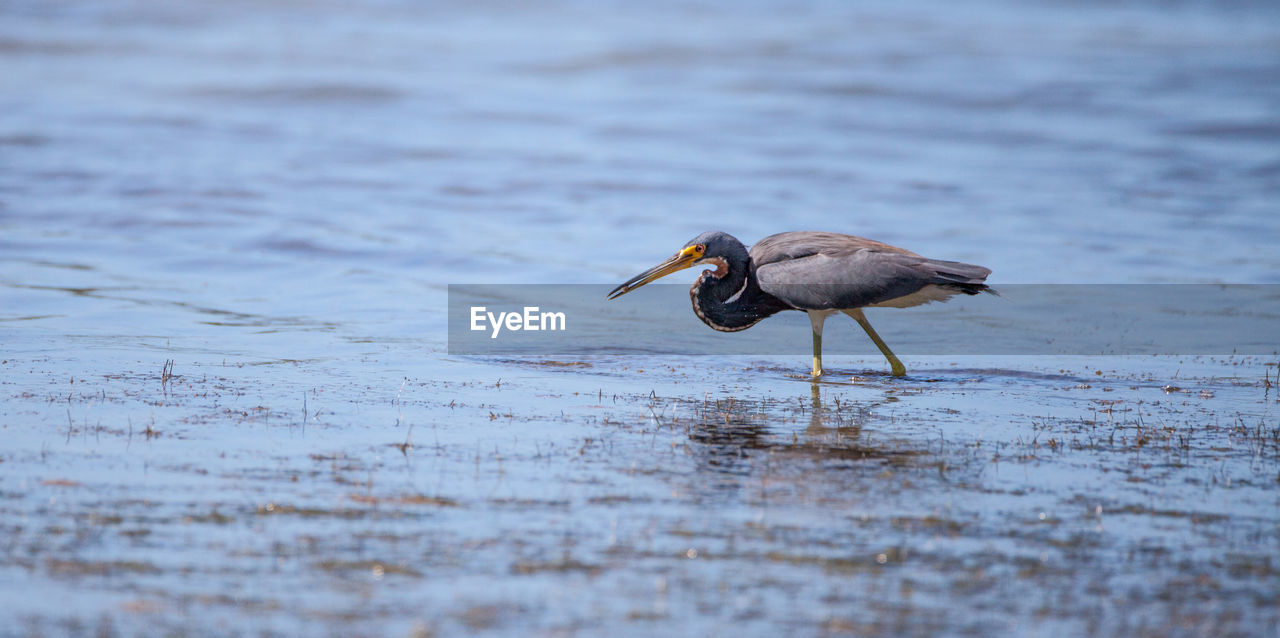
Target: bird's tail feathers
(966, 278)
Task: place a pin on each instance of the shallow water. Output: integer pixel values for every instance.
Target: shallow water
(275, 197)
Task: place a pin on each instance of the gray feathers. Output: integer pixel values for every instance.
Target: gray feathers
(828, 271)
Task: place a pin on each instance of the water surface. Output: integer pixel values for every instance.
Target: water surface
(275, 196)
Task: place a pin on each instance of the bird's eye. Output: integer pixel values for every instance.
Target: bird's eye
(700, 248)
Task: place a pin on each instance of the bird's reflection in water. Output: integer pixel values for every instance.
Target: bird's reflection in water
(728, 433)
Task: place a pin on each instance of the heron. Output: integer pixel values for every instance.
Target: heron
(817, 272)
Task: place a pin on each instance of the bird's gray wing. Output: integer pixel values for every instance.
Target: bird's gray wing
(855, 280)
(828, 271)
(804, 243)
(867, 278)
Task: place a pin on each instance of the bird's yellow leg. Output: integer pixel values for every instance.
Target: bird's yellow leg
(898, 369)
(817, 355)
(816, 319)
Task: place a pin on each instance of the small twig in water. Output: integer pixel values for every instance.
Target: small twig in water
(166, 373)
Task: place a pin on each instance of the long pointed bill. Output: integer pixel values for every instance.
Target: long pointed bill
(680, 261)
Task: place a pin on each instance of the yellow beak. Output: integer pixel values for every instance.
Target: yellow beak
(680, 261)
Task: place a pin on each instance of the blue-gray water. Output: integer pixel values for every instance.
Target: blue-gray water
(275, 196)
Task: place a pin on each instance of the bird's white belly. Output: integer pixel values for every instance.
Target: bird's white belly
(925, 295)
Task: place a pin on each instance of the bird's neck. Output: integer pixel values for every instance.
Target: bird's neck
(729, 298)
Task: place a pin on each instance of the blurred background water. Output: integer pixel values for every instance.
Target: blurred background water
(334, 165)
(229, 183)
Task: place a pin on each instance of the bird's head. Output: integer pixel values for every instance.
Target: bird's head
(714, 248)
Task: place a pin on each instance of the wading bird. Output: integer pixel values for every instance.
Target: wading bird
(819, 273)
